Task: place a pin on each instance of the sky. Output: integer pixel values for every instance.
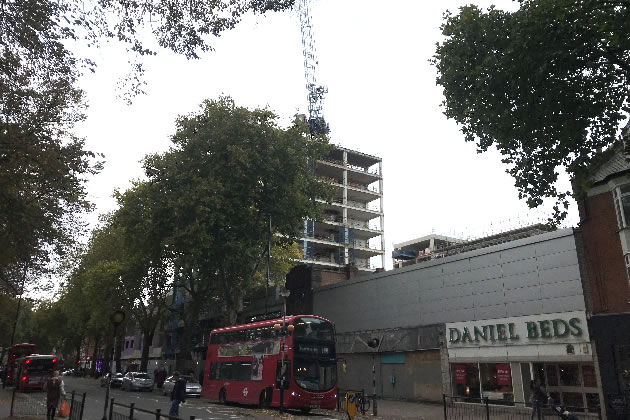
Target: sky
(382, 100)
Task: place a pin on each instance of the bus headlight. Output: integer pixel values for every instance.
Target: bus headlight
(293, 393)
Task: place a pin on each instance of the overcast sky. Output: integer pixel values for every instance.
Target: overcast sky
(382, 100)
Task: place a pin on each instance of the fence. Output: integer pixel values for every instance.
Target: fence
(465, 408)
(119, 411)
(34, 404)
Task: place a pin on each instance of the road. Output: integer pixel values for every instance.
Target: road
(200, 408)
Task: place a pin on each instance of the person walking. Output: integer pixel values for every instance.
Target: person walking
(538, 399)
(55, 391)
(178, 394)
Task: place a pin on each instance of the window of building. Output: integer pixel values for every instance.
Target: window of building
(496, 381)
(465, 377)
(622, 205)
(573, 385)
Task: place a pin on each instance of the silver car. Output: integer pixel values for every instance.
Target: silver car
(193, 389)
(137, 381)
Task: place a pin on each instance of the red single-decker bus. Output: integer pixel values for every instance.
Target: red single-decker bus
(245, 363)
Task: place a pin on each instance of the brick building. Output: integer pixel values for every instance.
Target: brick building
(605, 229)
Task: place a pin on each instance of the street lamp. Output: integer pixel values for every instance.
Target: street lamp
(284, 331)
(116, 319)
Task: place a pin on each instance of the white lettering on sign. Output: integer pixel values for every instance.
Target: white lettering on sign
(245, 392)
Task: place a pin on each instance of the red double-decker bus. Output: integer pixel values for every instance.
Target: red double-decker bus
(245, 363)
(16, 352)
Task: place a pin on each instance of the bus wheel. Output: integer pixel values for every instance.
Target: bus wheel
(222, 399)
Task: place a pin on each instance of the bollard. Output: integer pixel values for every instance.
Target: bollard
(12, 399)
(157, 414)
(82, 405)
(374, 410)
(131, 405)
(71, 405)
(192, 418)
(485, 400)
(111, 409)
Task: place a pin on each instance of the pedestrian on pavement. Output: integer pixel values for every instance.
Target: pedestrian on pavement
(178, 394)
(55, 391)
(538, 399)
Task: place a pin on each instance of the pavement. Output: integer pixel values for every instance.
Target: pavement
(203, 409)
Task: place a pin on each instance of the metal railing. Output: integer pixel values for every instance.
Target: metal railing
(34, 404)
(118, 411)
(466, 408)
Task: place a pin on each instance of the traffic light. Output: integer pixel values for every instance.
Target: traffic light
(373, 343)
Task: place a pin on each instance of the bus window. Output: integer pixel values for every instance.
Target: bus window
(313, 329)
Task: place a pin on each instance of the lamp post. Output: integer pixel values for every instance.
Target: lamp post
(284, 331)
(116, 319)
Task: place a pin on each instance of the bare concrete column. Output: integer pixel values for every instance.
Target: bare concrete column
(382, 216)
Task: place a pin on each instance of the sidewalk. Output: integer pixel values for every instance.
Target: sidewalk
(400, 410)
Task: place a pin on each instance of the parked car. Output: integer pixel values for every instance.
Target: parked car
(117, 379)
(193, 389)
(140, 381)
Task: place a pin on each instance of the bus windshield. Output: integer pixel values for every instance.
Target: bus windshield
(315, 375)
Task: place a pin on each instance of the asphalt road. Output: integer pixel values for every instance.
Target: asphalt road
(199, 408)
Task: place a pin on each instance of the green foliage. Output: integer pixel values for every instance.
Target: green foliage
(228, 171)
(547, 85)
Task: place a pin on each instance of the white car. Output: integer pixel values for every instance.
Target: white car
(193, 389)
(137, 380)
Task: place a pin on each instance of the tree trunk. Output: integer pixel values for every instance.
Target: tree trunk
(184, 340)
(147, 341)
(97, 340)
(118, 350)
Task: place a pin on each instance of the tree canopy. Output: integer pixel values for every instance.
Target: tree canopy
(44, 50)
(547, 85)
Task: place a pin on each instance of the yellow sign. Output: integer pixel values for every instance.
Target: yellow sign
(351, 404)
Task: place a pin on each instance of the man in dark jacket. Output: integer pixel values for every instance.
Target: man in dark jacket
(178, 395)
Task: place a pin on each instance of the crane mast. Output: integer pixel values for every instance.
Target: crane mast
(317, 123)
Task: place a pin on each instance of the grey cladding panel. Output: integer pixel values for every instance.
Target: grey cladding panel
(566, 243)
(531, 276)
(560, 274)
(559, 259)
(519, 267)
(523, 294)
(516, 254)
(521, 280)
(565, 288)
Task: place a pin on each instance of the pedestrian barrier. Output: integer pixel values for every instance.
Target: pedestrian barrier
(118, 411)
(466, 408)
(34, 404)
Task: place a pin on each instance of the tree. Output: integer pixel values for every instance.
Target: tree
(42, 166)
(547, 85)
(230, 169)
(146, 277)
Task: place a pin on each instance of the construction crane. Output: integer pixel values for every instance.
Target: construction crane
(316, 122)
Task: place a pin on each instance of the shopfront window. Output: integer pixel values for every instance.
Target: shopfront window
(569, 374)
(496, 381)
(465, 377)
(573, 385)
